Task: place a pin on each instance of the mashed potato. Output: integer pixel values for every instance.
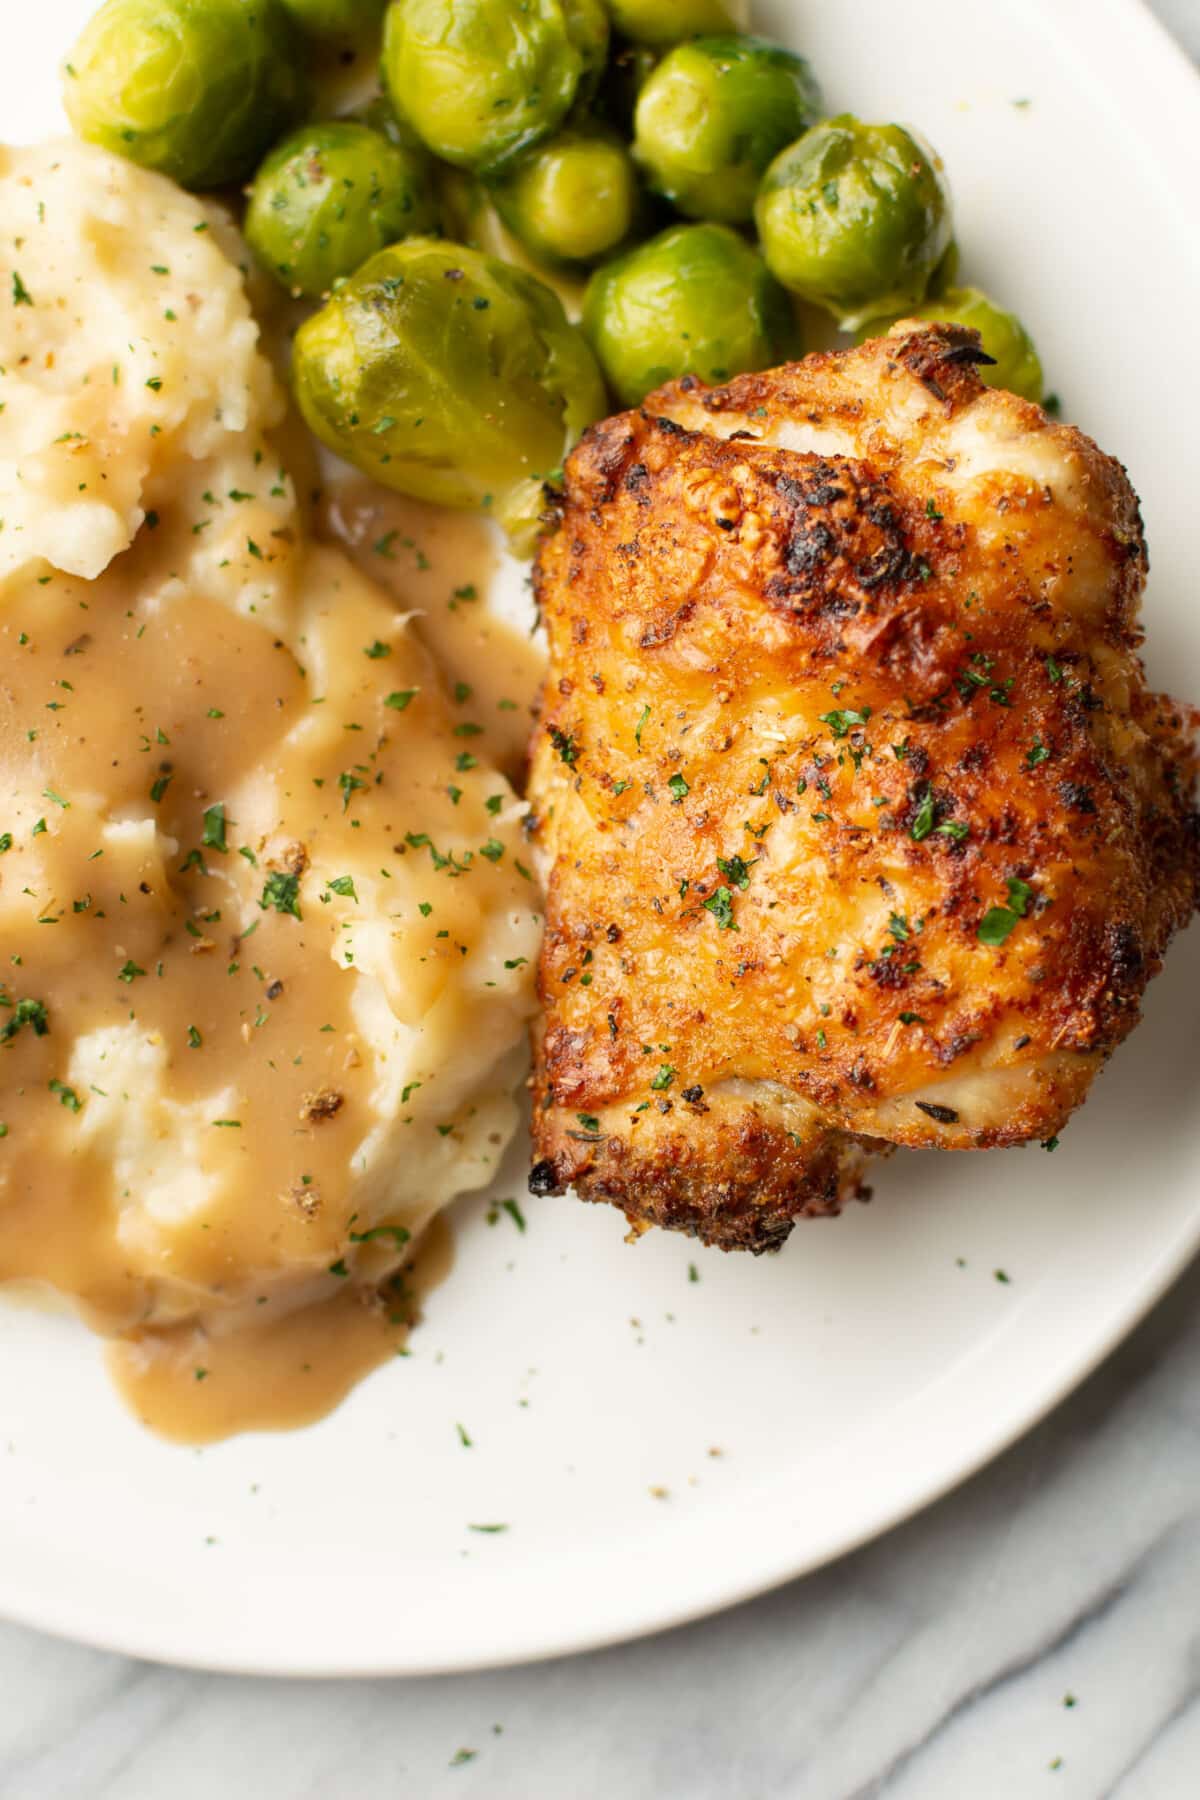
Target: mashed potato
(266, 929)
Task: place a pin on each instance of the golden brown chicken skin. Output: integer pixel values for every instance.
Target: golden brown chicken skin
(859, 825)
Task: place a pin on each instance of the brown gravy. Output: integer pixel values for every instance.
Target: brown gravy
(440, 564)
(196, 1386)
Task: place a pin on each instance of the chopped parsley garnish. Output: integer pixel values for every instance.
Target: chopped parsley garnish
(1037, 753)
(67, 1096)
(25, 1012)
(213, 835)
(282, 891)
(637, 736)
(954, 829)
(566, 746)
(21, 295)
(493, 850)
(342, 884)
(898, 926)
(664, 1078)
(348, 783)
(720, 905)
(679, 789)
(396, 1234)
(736, 871)
(402, 698)
(842, 723)
(194, 1038)
(129, 971)
(922, 823)
(998, 923)
(518, 1218)
(377, 649)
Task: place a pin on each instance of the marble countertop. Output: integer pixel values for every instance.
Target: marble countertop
(1037, 1632)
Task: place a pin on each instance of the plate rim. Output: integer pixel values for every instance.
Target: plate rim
(1101, 31)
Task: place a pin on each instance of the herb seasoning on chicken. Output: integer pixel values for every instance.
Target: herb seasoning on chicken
(871, 833)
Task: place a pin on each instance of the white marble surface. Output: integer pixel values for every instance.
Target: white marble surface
(1038, 1632)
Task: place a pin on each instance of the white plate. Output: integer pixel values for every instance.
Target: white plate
(878, 1360)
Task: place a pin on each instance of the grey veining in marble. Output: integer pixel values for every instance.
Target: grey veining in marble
(1182, 17)
(1037, 1633)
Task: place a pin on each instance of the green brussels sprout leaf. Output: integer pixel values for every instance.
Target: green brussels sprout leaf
(448, 375)
(855, 218)
(330, 196)
(697, 299)
(196, 89)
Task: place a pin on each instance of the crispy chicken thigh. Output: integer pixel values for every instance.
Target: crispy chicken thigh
(859, 824)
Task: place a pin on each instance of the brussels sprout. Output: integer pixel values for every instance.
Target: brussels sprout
(329, 196)
(1016, 368)
(854, 217)
(573, 199)
(337, 20)
(479, 81)
(711, 117)
(449, 375)
(469, 217)
(664, 22)
(694, 300)
(196, 89)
